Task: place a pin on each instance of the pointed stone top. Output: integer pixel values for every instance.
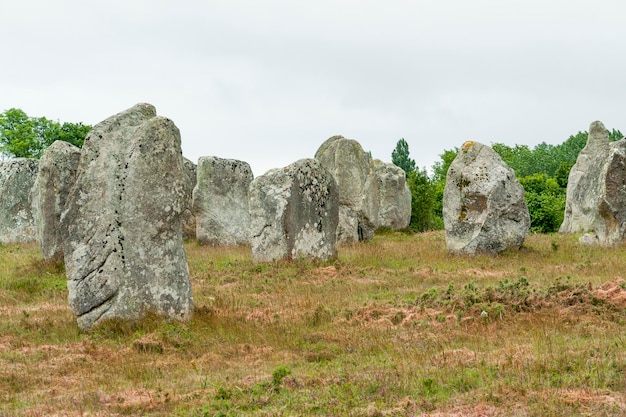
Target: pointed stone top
(597, 134)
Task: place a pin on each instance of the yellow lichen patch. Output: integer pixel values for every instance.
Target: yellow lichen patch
(463, 213)
(468, 144)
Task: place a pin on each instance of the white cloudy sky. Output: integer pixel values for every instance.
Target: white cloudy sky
(268, 81)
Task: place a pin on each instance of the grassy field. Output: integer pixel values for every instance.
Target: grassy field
(394, 327)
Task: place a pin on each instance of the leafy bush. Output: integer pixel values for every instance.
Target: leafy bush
(546, 202)
(27, 137)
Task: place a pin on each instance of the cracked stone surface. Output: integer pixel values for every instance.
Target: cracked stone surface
(124, 254)
(294, 212)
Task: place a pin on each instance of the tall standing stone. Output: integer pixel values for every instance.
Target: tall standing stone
(294, 213)
(596, 190)
(17, 177)
(57, 173)
(359, 201)
(394, 196)
(124, 253)
(220, 201)
(484, 210)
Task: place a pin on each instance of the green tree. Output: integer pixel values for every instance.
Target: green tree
(568, 151)
(400, 157)
(544, 158)
(615, 135)
(28, 137)
(519, 158)
(423, 196)
(562, 174)
(73, 133)
(440, 173)
(546, 202)
(544, 172)
(440, 168)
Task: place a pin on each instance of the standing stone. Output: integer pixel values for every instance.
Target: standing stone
(484, 210)
(220, 201)
(394, 196)
(124, 254)
(596, 190)
(359, 202)
(188, 218)
(17, 177)
(57, 172)
(294, 213)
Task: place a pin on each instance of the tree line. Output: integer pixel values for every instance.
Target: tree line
(22, 136)
(543, 171)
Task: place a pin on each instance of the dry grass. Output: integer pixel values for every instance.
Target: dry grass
(394, 327)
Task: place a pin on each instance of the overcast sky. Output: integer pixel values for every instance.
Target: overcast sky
(269, 81)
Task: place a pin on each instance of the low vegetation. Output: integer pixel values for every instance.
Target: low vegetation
(394, 327)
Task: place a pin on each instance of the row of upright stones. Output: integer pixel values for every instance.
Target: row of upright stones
(117, 210)
(290, 212)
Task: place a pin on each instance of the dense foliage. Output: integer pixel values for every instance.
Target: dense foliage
(423, 202)
(543, 171)
(28, 137)
(544, 158)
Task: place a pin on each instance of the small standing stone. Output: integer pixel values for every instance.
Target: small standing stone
(359, 202)
(57, 173)
(484, 210)
(294, 213)
(220, 201)
(596, 191)
(17, 177)
(395, 196)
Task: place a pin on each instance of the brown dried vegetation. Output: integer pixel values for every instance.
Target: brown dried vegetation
(394, 327)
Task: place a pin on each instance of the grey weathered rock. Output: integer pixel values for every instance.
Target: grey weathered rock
(596, 190)
(57, 172)
(17, 177)
(359, 202)
(484, 210)
(188, 218)
(294, 213)
(220, 201)
(394, 196)
(124, 254)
